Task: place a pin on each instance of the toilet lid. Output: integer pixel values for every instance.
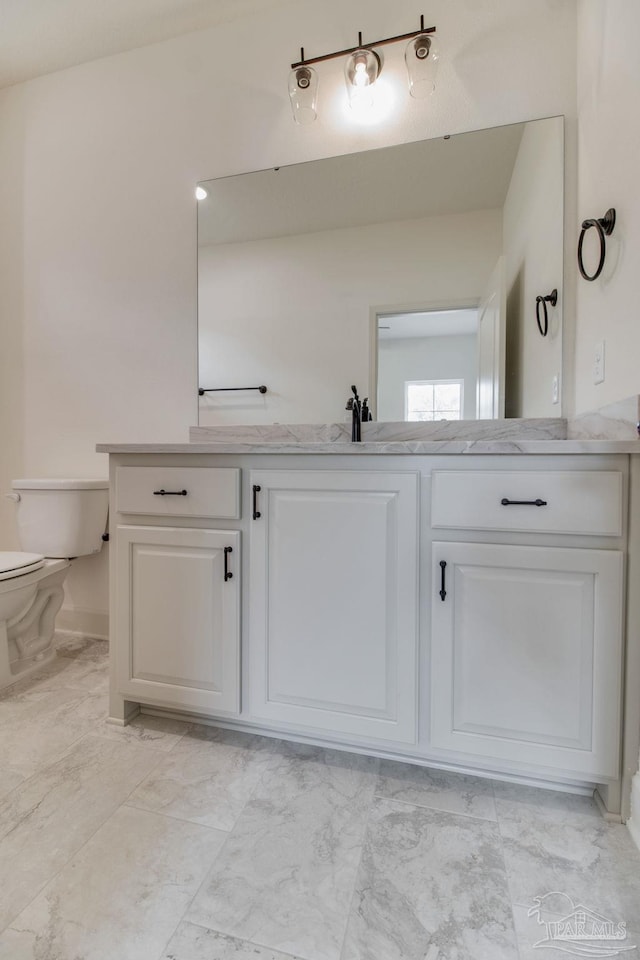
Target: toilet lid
(16, 564)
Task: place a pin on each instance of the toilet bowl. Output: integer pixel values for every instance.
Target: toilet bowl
(58, 520)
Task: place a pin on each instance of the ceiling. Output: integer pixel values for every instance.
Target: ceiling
(40, 36)
(432, 323)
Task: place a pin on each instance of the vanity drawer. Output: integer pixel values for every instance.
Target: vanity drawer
(571, 502)
(210, 491)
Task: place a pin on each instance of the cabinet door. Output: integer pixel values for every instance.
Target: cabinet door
(178, 617)
(526, 655)
(333, 601)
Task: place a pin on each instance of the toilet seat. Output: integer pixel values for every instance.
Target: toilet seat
(13, 564)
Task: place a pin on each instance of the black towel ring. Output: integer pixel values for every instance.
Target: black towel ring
(551, 298)
(604, 228)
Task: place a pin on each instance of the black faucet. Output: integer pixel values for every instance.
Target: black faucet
(353, 404)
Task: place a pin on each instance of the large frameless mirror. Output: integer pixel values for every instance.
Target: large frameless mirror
(412, 271)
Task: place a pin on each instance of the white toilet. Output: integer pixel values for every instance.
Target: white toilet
(57, 521)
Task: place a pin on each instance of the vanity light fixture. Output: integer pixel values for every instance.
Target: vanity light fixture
(362, 68)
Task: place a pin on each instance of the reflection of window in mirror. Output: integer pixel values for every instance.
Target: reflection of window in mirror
(433, 399)
(434, 348)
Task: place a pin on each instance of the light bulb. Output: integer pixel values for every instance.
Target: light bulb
(361, 79)
(201, 193)
(361, 70)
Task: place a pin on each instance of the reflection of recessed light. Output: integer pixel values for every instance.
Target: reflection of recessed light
(201, 193)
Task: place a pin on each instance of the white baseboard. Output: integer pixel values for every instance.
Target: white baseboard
(85, 623)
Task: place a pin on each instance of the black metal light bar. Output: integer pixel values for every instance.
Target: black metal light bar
(362, 46)
(203, 390)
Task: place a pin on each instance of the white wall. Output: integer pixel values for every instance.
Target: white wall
(609, 147)
(11, 308)
(295, 312)
(99, 246)
(533, 225)
(425, 358)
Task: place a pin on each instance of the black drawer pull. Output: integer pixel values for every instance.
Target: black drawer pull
(523, 503)
(169, 493)
(256, 512)
(227, 573)
(443, 567)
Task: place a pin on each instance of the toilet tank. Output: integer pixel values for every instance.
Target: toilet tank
(62, 518)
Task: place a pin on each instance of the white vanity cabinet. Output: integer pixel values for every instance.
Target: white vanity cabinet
(177, 589)
(338, 624)
(526, 648)
(526, 641)
(333, 599)
(178, 627)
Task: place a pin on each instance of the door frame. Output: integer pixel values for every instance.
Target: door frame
(494, 290)
(420, 306)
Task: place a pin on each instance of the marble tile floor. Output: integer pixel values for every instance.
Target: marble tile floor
(174, 841)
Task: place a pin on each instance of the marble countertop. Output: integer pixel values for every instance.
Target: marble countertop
(611, 430)
(390, 448)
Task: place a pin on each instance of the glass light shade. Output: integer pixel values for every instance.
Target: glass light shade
(303, 94)
(421, 56)
(361, 70)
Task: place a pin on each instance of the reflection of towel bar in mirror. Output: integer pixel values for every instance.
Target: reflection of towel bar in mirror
(203, 390)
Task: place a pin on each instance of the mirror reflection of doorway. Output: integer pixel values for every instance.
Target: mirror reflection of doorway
(427, 364)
